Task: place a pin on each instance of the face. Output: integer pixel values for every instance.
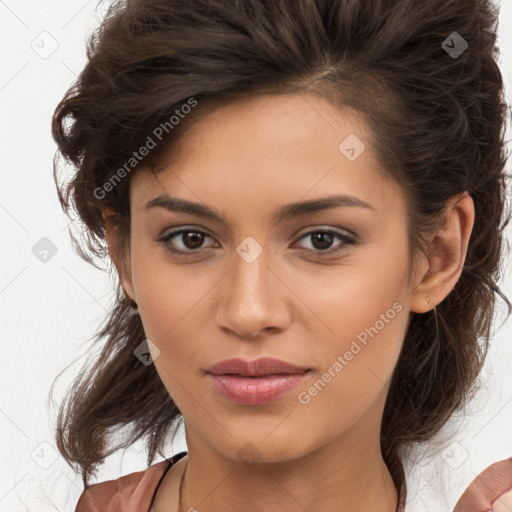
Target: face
(326, 289)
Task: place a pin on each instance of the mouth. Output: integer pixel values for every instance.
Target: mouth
(262, 367)
(259, 376)
(256, 382)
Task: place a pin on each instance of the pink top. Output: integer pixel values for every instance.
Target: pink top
(491, 489)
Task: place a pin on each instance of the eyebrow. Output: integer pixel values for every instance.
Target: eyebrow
(286, 212)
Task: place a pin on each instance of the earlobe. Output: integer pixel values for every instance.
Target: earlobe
(122, 264)
(446, 256)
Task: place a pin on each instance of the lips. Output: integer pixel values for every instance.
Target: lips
(256, 382)
(264, 366)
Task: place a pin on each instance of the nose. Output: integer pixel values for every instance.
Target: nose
(254, 298)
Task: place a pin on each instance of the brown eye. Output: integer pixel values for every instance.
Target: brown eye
(188, 240)
(192, 239)
(323, 239)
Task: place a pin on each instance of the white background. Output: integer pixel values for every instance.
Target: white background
(50, 310)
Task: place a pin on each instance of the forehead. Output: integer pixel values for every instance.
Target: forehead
(269, 149)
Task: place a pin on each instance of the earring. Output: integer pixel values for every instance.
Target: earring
(134, 308)
(428, 300)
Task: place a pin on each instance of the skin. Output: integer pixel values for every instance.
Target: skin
(245, 160)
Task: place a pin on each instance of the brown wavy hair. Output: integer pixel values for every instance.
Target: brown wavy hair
(437, 123)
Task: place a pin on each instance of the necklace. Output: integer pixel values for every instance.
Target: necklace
(181, 487)
(180, 509)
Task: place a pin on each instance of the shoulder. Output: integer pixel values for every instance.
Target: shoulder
(130, 493)
(491, 489)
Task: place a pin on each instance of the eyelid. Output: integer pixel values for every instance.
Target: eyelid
(347, 238)
(325, 227)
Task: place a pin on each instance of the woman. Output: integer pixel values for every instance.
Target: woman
(304, 203)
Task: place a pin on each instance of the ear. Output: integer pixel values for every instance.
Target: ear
(115, 249)
(446, 255)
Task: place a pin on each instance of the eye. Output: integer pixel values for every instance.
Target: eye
(322, 240)
(191, 241)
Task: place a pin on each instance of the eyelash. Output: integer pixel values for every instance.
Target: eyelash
(347, 240)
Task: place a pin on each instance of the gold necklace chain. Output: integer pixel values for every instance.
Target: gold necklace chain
(180, 497)
(181, 487)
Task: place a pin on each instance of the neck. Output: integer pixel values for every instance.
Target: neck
(344, 475)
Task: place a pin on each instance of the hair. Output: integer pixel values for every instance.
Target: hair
(437, 125)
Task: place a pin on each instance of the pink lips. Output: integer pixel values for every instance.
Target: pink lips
(255, 382)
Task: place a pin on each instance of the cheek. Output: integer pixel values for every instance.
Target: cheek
(361, 359)
(359, 366)
(169, 305)
(353, 384)
(168, 295)
(168, 302)
(361, 300)
(366, 312)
